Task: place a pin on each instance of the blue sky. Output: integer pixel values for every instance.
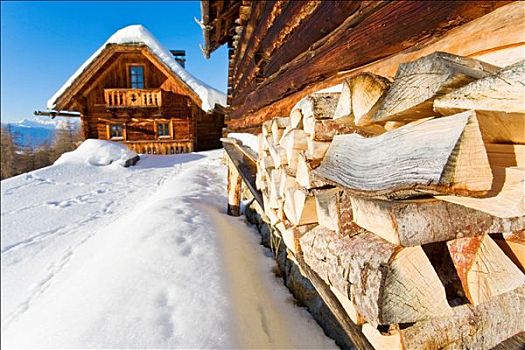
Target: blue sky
(43, 43)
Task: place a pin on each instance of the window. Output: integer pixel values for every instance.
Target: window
(136, 74)
(163, 129)
(115, 131)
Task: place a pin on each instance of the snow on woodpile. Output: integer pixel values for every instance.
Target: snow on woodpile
(248, 140)
(99, 152)
(138, 34)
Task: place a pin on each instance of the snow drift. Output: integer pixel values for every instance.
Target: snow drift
(99, 153)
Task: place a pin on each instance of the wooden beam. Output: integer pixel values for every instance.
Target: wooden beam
(391, 166)
(504, 24)
(383, 35)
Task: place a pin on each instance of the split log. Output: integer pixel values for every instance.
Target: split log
(318, 105)
(299, 207)
(267, 128)
(325, 130)
(513, 245)
(344, 104)
(506, 199)
(419, 82)
(499, 101)
(368, 91)
(294, 140)
(502, 155)
(234, 190)
(304, 175)
(260, 145)
(291, 236)
(278, 155)
(296, 119)
(484, 270)
(266, 162)
(386, 283)
(348, 306)
(316, 150)
(392, 165)
(334, 211)
(286, 182)
(470, 327)
(421, 221)
(278, 126)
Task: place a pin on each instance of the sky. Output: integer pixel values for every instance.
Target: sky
(44, 42)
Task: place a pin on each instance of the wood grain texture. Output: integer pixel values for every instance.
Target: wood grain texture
(484, 270)
(391, 165)
(387, 284)
(419, 82)
(423, 221)
(368, 91)
(505, 25)
(499, 100)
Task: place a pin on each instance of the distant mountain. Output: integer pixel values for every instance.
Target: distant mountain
(37, 131)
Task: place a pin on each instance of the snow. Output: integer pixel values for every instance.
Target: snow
(138, 34)
(98, 152)
(45, 123)
(249, 140)
(140, 257)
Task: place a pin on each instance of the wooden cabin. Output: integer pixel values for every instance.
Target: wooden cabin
(134, 91)
(353, 103)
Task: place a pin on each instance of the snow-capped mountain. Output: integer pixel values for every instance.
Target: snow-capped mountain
(38, 130)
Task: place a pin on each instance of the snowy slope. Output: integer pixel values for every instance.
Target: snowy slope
(142, 257)
(138, 34)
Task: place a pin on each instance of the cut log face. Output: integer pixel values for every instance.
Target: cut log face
(260, 145)
(453, 160)
(318, 105)
(419, 82)
(502, 155)
(278, 155)
(334, 211)
(325, 130)
(286, 182)
(422, 221)
(481, 327)
(316, 150)
(499, 101)
(376, 276)
(484, 270)
(299, 207)
(344, 104)
(291, 236)
(304, 175)
(294, 140)
(367, 91)
(267, 128)
(506, 199)
(296, 119)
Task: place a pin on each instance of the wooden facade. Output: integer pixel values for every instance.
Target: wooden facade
(280, 51)
(160, 116)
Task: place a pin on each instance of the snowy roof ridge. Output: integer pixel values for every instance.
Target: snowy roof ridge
(138, 34)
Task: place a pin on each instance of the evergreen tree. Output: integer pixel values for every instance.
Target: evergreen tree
(66, 139)
(8, 153)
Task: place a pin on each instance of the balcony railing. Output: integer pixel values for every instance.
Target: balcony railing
(121, 98)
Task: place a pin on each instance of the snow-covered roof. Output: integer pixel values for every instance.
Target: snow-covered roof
(138, 34)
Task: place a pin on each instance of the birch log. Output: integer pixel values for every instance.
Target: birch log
(343, 108)
(419, 82)
(453, 159)
(499, 101)
(386, 283)
(479, 327)
(304, 174)
(421, 221)
(296, 119)
(484, 270)
(325, 130)
(279, 124)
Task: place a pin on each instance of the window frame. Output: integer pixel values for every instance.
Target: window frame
(110, 129)
(130, 66)
(170, 129)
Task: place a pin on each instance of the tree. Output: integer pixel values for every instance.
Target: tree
(8, 153)
(66, 139)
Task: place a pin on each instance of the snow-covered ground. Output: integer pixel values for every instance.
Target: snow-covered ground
(141, 257)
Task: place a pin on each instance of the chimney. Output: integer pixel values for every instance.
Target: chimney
(180, 56)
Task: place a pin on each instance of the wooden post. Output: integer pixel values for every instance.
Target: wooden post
(234, 190)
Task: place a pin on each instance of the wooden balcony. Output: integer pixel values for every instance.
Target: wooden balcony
(126, 98)
(161, 146)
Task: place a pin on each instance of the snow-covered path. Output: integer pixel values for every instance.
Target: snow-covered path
(142, 257)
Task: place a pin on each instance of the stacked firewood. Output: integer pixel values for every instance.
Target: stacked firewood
(406, 197)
